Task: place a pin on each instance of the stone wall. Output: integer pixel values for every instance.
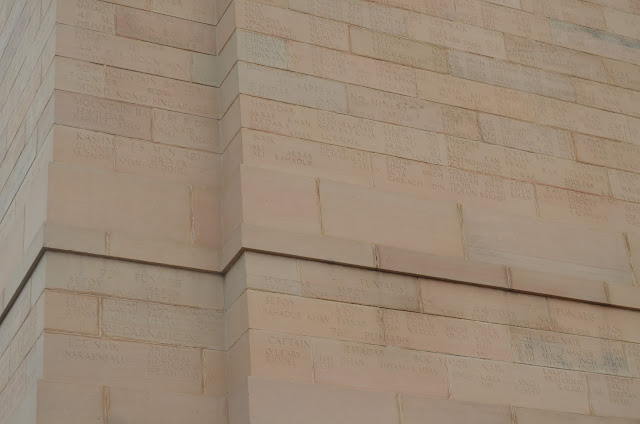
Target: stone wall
(350, 211)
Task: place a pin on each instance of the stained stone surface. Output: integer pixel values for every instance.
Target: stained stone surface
(348, 211)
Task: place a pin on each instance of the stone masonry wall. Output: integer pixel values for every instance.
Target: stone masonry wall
(349, 211)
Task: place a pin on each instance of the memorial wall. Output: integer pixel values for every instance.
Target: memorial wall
(314, 211)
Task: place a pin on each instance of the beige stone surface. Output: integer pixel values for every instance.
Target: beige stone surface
(452, 184)
(456, 35)
(592, 320)
(614, 396)
(446, 335)
(633, 355)
(122, 52)
(380, 368)
(280, 153)
(59, 402)
(568, 352)
(481, 304)
(185, 130)
(555, 58)
(176, 325)
(161, 93)
(165, 30)
(285, 402)
(400, 260)
(530, 416)
(525, 136)
(121, 197)
(358, 286)
(95, 15)
(313, 317)
(167, 162)
(267, 201)
(623, 74)
(494, 72)
(398, 50)
(607, 153)
(505, 19)
(411, 112)
(595, 211)
(351, 69)
(126, 405)
(122, 364)
(551, 247)
(291, 24)
(149, 283)
(558, 285)
(357, 12)
(74, 313)
(502, 383)
(98, 114)
(352, 213)
(524, 166)
(576, 12)
(286, 211)
(594, 42)
(281, 356)
(418, 409)
(300, 89)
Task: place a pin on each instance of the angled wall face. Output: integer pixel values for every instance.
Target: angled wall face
(358, 211)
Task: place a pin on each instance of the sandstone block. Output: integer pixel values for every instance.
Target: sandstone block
(318, 318)
(60, 403)
(455, 35)
(94, 15)
(185, 130)
(548, 349)
(121, 52)
(121, 203)
(98, 114)
(353, 285)
(379, 368)
(555, 58)
(418, 409)
(504, 19)
(178, 325)
(126, 405)
(122, 364)
(503, 74)
(450, 184)
(280, 153)
(550, 247)
(446, 335)
(165, 30)
(398, 50)
(449, 268)
(593, 320)
(292, 25)
(614, 396)
(132, 280)
(71, 312)
(481, 304)
(288, 403)
(274, 199)
(357, 12)
(367, 215)
(526, 136)
(502, 383)
(577, 12)
(281, 356)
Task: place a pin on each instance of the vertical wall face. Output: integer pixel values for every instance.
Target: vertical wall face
(358, 211)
